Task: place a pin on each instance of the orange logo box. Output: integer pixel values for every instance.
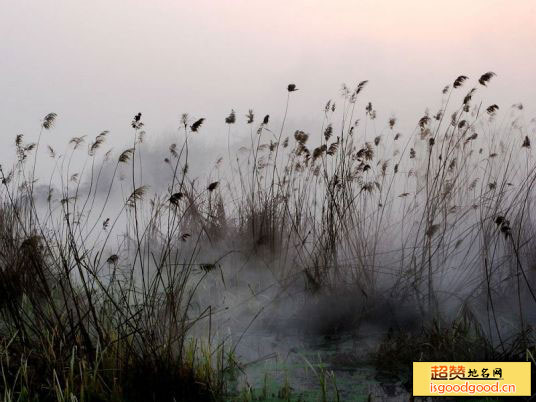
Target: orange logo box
(471, 378)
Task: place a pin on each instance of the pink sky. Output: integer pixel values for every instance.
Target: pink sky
(97, 63)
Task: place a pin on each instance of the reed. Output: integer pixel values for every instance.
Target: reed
(102, 300)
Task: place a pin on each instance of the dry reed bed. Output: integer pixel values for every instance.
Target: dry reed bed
(441, 216)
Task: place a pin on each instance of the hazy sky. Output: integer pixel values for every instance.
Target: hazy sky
(97, 63)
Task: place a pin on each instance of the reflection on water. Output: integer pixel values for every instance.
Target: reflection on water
(297, 368)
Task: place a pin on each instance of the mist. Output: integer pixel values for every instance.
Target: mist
(224, 201)
(97, 64)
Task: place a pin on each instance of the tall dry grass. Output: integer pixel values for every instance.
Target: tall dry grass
(99, 298)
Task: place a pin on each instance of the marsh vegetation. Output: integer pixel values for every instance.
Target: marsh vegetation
(408, 246)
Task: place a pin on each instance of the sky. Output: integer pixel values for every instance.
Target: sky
(98, 63)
